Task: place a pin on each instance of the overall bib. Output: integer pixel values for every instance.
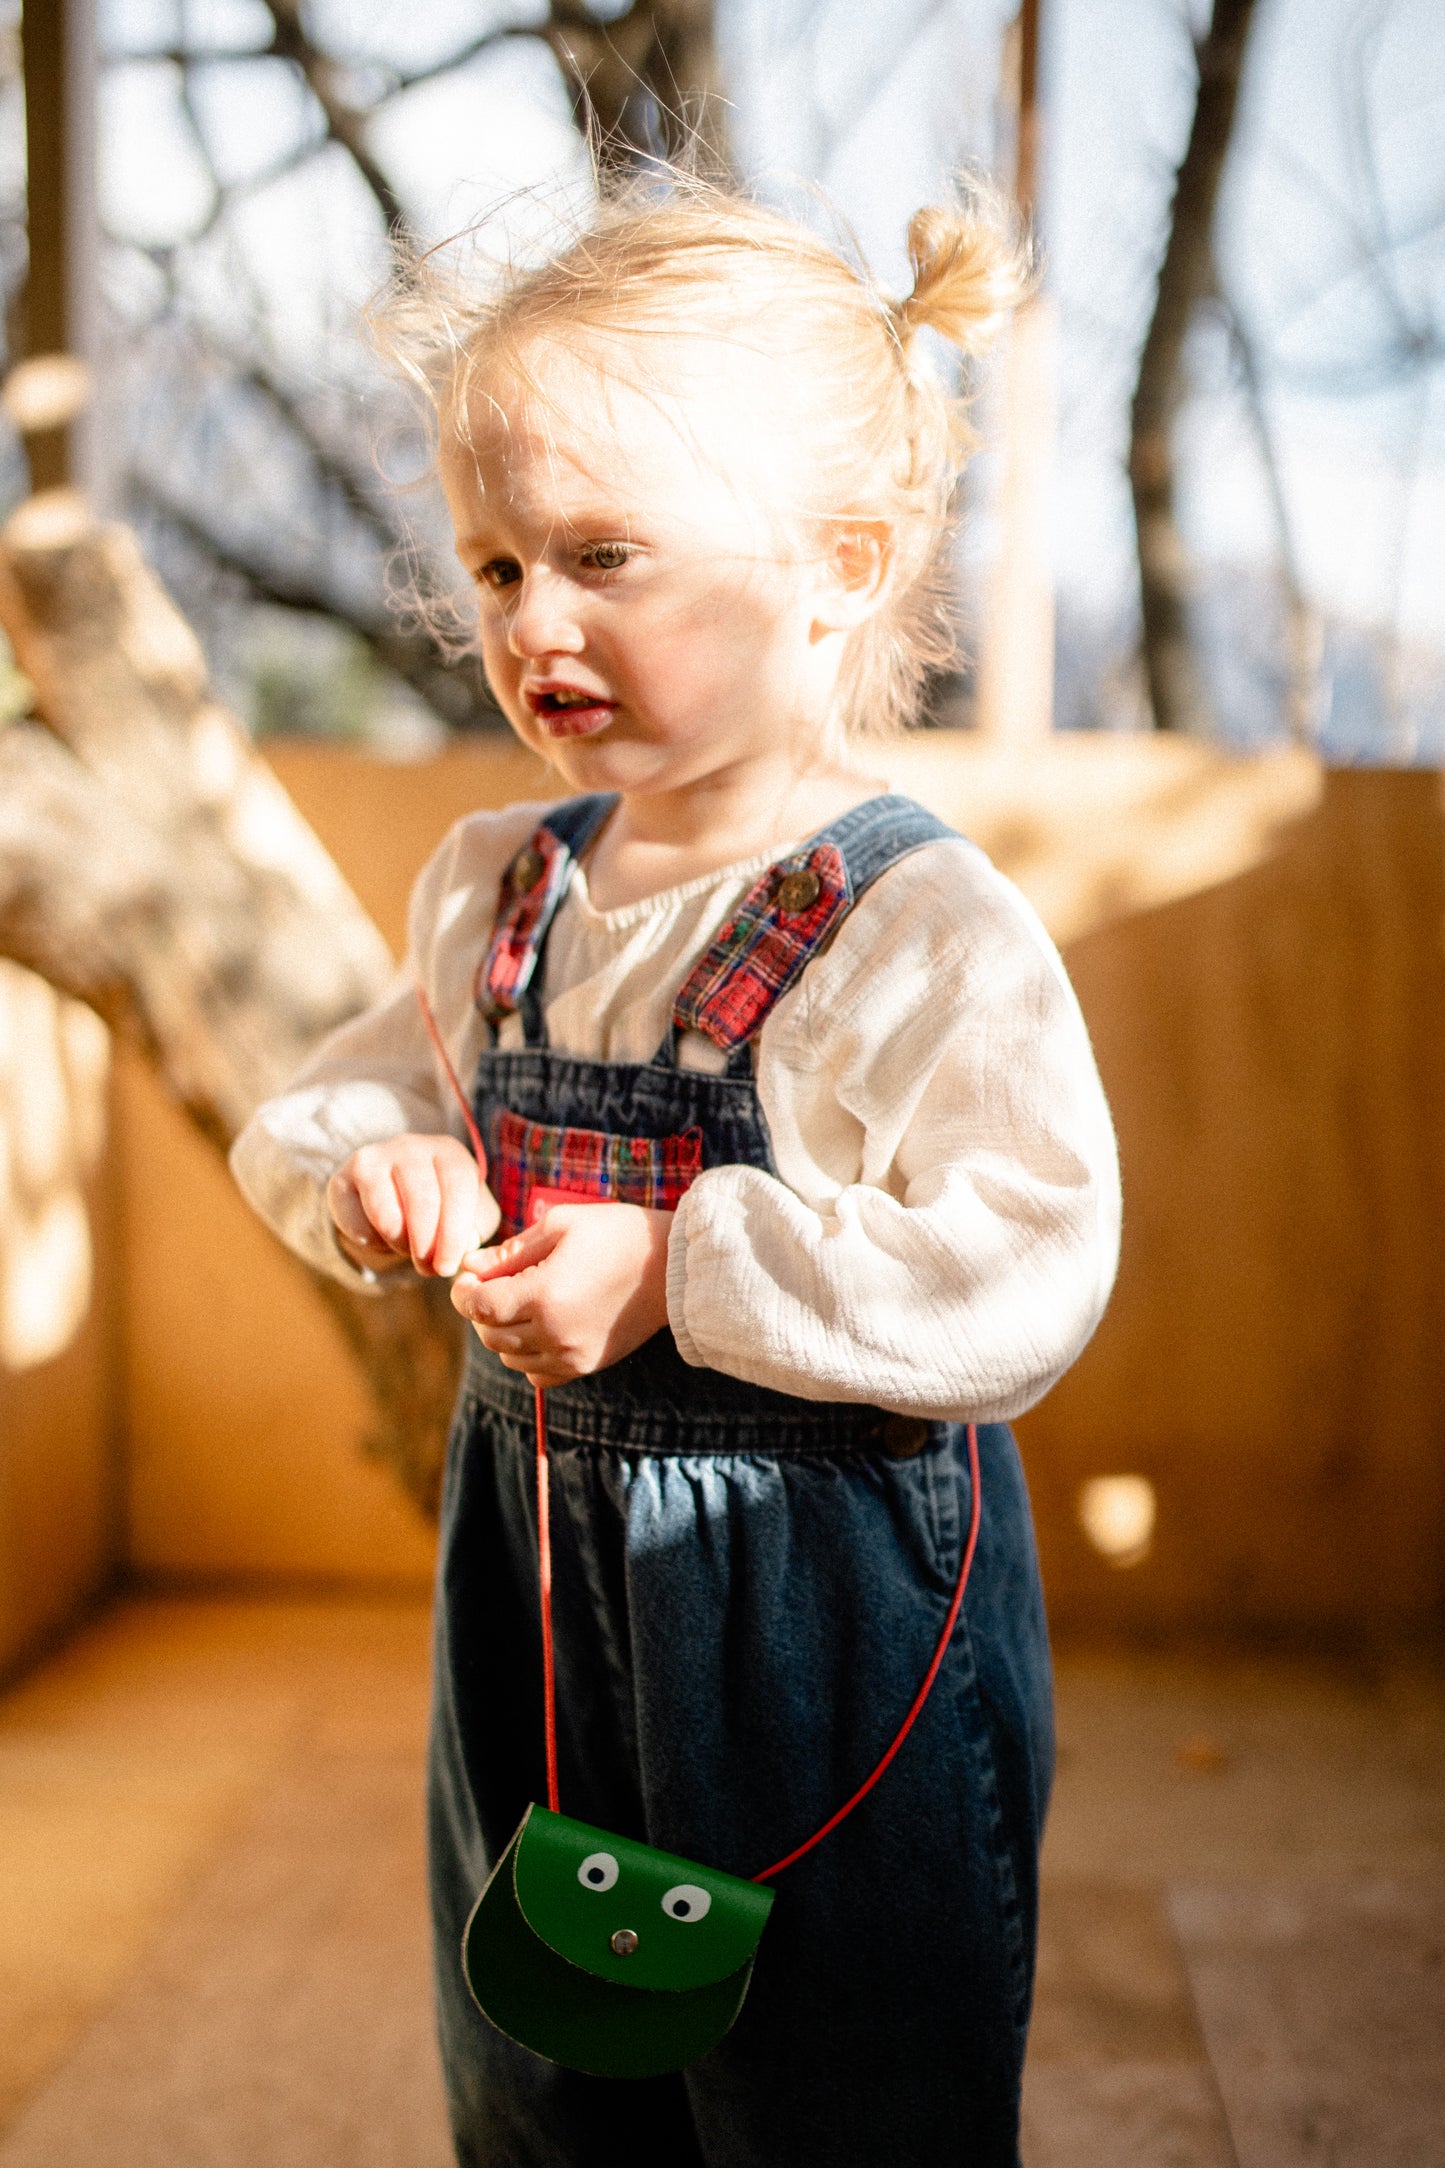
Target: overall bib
(748, 1588)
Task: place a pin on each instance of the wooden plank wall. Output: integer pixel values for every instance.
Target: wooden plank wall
(1274, 1358)
(1258, 950)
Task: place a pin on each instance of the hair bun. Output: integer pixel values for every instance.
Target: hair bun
(971, 269)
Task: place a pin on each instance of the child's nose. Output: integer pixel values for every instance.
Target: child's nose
(543, 621)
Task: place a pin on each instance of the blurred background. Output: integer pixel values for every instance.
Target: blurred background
(241, 181)
(1198, 712)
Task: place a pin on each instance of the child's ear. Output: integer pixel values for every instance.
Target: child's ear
(859, 560)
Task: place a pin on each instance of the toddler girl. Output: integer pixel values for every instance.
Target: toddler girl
(798, 1165)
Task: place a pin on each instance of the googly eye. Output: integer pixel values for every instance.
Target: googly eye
(597, 1871)
(686, 1902)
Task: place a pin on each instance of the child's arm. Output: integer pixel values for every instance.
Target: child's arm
(945, 1233)
(370, 1106)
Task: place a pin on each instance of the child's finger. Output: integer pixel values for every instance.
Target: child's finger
(457, 1219)
(371, 1176)
(520, 1350)
(539, 1366)
(547, 1370)
(421, 1200)
(525, 1363)
(494, 1302)
(519, 1344)
(347, 1211)
(506, 1259)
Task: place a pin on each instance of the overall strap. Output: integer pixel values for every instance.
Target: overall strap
(790, 912)
(532, 887)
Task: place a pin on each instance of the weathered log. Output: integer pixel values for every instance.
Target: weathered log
(152, 866)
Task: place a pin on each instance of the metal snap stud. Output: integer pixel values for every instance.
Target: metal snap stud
(624, 1942)
(525, 872)
(798, 891)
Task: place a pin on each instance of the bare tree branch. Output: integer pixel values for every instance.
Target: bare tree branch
(412, 655)
(645, 85)
(344, 124)
(330, 463)
(223, 197)
(458, 59)
(1176, 688)
(633, 81)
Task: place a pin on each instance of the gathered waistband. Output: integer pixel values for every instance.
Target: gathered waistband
(705, 1412)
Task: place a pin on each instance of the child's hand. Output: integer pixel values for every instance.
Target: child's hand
(577, 1291)
(410, 1197)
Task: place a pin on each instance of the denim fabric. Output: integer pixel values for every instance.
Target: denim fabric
(748, 1589)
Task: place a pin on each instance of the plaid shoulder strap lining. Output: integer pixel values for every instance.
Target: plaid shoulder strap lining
(790, 911)
(532, 887)
(787, 915)
(782, 920)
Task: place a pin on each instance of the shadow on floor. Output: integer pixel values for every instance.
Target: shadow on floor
(213, 1948)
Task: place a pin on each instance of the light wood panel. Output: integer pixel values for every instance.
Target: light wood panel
(1258, 952)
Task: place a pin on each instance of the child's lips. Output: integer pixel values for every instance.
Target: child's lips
(566, 711)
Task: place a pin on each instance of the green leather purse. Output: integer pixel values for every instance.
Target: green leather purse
(607, 1955)
(610, 1956)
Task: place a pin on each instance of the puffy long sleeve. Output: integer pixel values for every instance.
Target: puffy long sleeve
(377, 1076)
(946, 1232)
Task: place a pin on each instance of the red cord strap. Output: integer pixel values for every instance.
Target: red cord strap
(544, 1575)
(439, 1047)
(928, 1677)
(549, 1677)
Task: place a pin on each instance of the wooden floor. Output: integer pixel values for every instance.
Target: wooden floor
(212, 1942)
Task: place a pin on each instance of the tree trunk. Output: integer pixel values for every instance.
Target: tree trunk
(646, 85)
(1176, 688)
(152, 866)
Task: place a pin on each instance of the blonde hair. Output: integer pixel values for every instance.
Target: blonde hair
(885, 440)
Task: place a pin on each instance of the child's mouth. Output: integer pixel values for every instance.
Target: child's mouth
(566, 712)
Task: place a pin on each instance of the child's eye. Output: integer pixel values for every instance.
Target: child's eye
(597, 1871)
(606, 556)
(500, 572)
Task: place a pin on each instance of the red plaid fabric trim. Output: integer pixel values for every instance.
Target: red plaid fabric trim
(760, 951)
(506, 970)
(652, 1171)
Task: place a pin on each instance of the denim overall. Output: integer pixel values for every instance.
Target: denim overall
(748, 1588)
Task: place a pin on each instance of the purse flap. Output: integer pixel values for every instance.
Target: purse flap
(677, 1925)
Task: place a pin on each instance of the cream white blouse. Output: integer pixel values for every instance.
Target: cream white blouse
(943, 1231)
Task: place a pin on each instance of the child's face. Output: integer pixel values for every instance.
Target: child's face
(642, 623)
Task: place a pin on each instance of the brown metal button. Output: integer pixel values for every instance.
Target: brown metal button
(798, 891)
(624, 1942)
(902, 1436)
(525, 871)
